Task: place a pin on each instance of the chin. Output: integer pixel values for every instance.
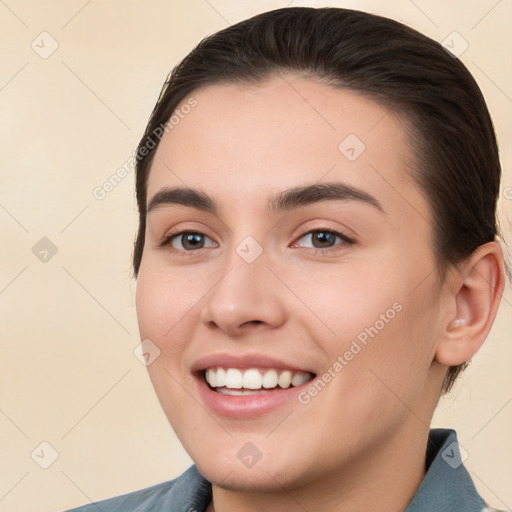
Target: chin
(236, 478)
(264, 476)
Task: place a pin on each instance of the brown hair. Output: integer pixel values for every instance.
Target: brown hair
(458, 166)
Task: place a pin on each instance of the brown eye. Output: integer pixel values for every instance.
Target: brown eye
(189, 241)
(322, 239)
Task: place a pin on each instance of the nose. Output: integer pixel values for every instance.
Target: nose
(248, 297)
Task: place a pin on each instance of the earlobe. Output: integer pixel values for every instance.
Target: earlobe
(476, 299)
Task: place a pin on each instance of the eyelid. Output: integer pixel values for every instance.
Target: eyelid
(179, 235)
(174, 232)
(308, 228)
(325, 250)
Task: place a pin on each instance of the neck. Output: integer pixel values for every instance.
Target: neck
(388, 475)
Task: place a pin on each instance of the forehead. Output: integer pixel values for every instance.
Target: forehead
(248, 142)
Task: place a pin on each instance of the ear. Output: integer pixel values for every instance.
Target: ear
(476, 293)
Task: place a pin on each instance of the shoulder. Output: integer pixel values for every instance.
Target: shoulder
(130, 502)
(189, 490)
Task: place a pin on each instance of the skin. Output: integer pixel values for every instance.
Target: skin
(362, 439)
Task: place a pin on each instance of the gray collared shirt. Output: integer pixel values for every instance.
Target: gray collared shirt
(447, 487)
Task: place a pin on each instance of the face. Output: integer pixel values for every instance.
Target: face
(305, 254)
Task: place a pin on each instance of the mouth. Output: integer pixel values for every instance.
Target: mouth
(246, 386)
(253, 381)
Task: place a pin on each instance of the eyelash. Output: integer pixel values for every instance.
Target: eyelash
(312, 250)
(346, 240)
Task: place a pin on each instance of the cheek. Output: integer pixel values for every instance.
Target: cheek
(165, 312)
(163, 300)
(165, 307)
(374, 328)
(350, 301)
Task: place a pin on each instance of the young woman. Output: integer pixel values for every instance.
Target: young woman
(317, 260)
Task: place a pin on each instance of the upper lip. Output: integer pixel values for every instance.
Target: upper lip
(244, 361)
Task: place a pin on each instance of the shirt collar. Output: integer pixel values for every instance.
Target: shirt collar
(447, 486)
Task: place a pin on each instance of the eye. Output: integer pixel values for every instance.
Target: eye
(318, 240)
(323, 239)
(188, 241)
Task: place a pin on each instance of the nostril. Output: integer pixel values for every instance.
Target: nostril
(252, 322)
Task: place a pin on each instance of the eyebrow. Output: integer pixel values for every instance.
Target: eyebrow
(283, 201)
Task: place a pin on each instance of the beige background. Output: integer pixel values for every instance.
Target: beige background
(68, 326)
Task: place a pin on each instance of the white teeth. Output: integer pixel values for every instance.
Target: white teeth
(212, 378)
(233, 378)
(269, 379)
(285, 379)
(253, 379)
(299, 378)
(220, 378)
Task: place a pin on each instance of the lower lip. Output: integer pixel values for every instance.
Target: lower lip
(236, 406)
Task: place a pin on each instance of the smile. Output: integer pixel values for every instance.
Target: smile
(234, 381)
(246, 386)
